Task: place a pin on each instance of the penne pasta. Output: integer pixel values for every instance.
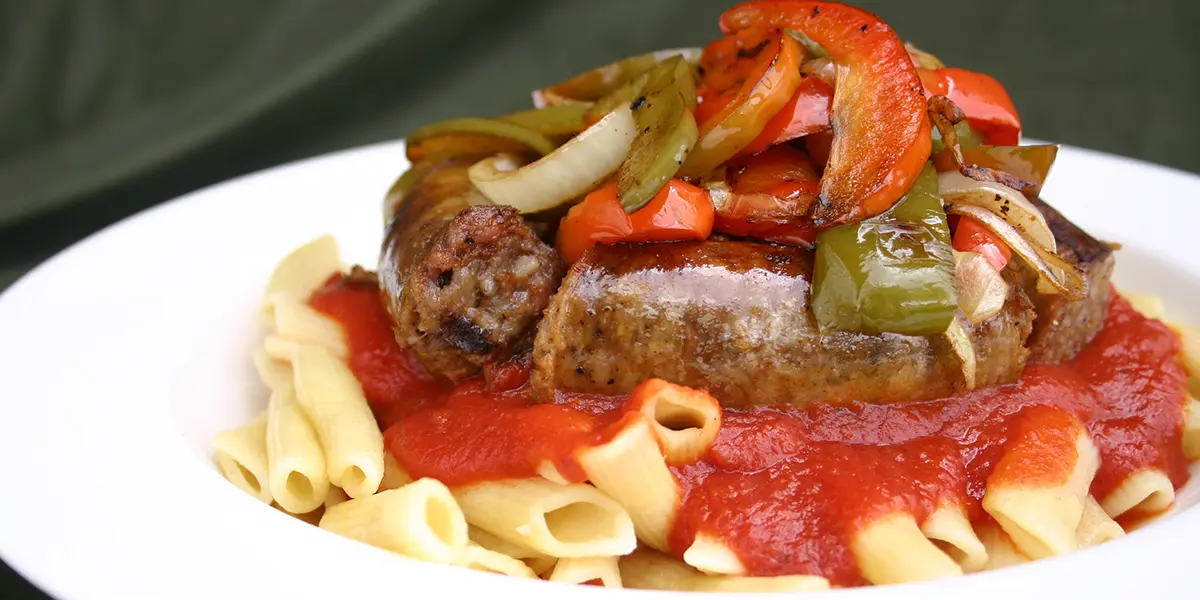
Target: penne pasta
(1147, 492)
(482, 559)
(241, 455)
(1190, 336)
(684, 420)
(711, 555)
(548, 471)
(297, 321)
(1191, 429)
(949, 529)
(541, 565)
(1149, 305)
(300, 273)
(338, 410)
(892, 549)
(630, 468)
(280, 349)
(275, 374)
(574, 520)
(1041, 517)
(297, 464)
(420, 520)
(651, 570)
(1001, 551)
(1095, 526)
(394, 475)
(494, 542)
(312, 517)
(588, 569)
(334, 497)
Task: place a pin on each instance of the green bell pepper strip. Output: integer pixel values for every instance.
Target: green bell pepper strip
(893, 273)
(666, 133)
(597, 83)
(494, 127)
(557, 120)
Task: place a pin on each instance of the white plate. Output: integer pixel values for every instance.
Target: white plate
(124, 354)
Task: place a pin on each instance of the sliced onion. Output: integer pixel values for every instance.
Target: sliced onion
(960, 341)
(982, 291)
(563, 175)
(1002, 200)
(1050, 267)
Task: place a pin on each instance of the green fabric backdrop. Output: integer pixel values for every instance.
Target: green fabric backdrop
(111, 106)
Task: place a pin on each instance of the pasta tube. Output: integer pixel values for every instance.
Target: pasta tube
(1038, 488)
(335, 404)
(275, 374)
(482, 559)
(684, 420)
(300, 273)
(420, 520)
(631, 469)
(241, 455)
(892, 549)
(1095, 526)
(591, 568)
(650, 570)
(949, 524)
(297, 464)
(711, 555)
(299, 322)
(574, 520)
(1148, 491)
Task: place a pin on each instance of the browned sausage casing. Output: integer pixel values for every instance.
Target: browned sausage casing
(464, 281)
(734, 318)
(1064, 326)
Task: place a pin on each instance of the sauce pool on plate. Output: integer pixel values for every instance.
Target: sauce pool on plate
(787, 487)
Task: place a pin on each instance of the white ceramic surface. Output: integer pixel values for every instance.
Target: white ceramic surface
(121, 357)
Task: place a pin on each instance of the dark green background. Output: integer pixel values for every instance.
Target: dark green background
(110, 106)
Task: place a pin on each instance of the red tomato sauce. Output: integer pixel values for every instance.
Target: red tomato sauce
(786, 488)
(393, 379)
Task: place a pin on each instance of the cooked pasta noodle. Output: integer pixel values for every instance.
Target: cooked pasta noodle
(1001, 551)
(297, 464)
(338, 410)
(1191, 429)
(1147, 492)
(586, 569)
(631, 469)
(1041, 518)
(685, 421)
(420, 520)
(301, 272)
(574, 520)
(241, 455)
(1095, 526)
(394, 475)
(296, 321)
(892, 549)
(711, 555)
(651, 570)
(482, 559)
(949, 529)
(274, 374)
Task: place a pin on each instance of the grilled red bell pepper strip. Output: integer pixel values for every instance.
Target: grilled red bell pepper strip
(882, 131)
(766, 90)
(680, 211)
(806, 113)
(970, 236)
(768, 196)
(983, 99)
